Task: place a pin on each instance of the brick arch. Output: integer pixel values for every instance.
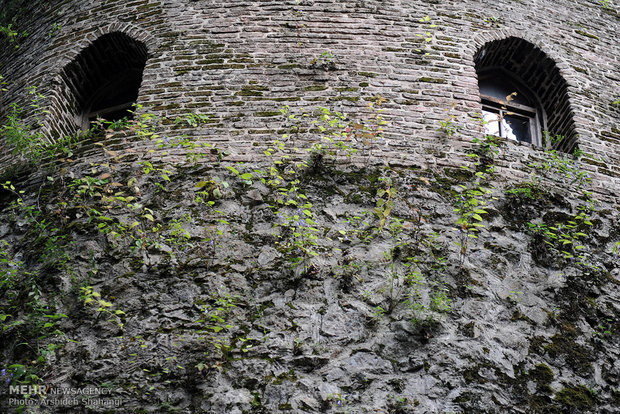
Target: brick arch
(151, 43)
(538, 66)
(66, 115)
(104, 74)
(551, 51)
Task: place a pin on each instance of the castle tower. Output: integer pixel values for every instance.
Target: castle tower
(311, 205)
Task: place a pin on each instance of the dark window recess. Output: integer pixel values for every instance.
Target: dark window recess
(105, 78)
(523, 94)
(115, 101)
(507, 111)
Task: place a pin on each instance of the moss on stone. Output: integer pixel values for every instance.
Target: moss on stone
(346, 98)
(432, 80)
(586, 34)
(472, 375)
(255, 87)
(368, 74)
(518, 316)
(173, 105)
(228, 66)
(282, 99)
(285, 376)
(289, 66)
(315, 88)
(542, 375)
(578, 397)
(563, 345)
(249, 93)
(468, 329)
(266, 114)
(210, 61)
(464, 398)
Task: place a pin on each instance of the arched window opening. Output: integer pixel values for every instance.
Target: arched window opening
(523, 94)
(105, 78)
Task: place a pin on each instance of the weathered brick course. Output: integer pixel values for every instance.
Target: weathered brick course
(197, 45)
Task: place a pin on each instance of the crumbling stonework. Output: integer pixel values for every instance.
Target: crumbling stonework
(259, 276)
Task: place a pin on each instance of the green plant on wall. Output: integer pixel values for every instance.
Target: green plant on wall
(567, 238)
(385, 202)
(472, 197)
(9, 33)
(414, 272)
(192, 120)
(23, 136)
(291, 206)
(9, 12)
(426, 36)
(93, 298)
(562, 167)
(55, 28)
(448, 125)
(470, 206)
(222, 330)
(367, 133)
(29, 317)
(339, 136)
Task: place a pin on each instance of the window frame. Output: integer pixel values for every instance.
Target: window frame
(507, 107)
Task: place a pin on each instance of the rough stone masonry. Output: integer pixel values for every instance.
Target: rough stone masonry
(234, 248)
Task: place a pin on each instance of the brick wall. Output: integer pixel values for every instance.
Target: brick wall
(240, 63)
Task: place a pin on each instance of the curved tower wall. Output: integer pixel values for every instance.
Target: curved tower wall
(239, 63)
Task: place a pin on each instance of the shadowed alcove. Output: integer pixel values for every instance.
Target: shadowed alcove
(524, 95)
(104, 79)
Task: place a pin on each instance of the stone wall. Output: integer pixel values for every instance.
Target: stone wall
(239, 64)
(381, 302)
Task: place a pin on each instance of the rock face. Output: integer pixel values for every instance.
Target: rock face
(303, 213)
